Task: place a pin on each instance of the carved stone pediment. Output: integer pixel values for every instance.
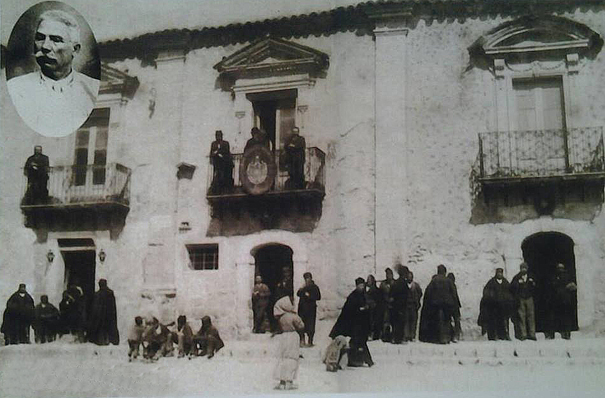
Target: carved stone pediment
(272, 57)
(537, 35)
(114, 81)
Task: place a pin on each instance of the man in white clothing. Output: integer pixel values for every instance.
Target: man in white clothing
(56, 99)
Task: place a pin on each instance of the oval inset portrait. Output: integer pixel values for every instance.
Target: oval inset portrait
(53, 69)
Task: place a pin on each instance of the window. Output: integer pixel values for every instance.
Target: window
(540, 104)
(91, 144)
(203, 257)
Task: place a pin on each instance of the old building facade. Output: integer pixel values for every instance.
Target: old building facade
(461, 132)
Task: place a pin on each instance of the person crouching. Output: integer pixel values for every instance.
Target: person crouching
(135, 338)
(208, 338)
(288, 350)
(184, 337)
(336, 354)
(157, 340)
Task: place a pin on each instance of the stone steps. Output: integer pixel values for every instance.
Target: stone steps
(586, 350)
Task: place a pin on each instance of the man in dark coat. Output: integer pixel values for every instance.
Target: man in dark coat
(437, 309)
(457, 331)
(259, 137)
(522, 288)
(496, 307)
(384, 306)
(373, 298)
(399, 295)
(36, 170)
(103, 318)
(47, 320)
(72, 309)
(309, 294)
(294, 148)
(18, 317)
(220, 157)
(412, 307)
(261, 296)
(354, 321)
(208, 338)
(560, 313)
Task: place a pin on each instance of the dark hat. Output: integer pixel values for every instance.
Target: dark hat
(359, 281)
(499, 269)
(21, 285)
(441, 269)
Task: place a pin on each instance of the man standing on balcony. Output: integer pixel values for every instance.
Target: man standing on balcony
(36, 170)
(295, 159)
(220, 157)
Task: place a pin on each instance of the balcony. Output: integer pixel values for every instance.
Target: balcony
(282, 205)
(527, 174)
(79, 197)
(541, 155)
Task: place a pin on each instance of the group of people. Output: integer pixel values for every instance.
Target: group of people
(292, 159)
(159, 340)
(390, 312)
(503, 301)
(98, 326)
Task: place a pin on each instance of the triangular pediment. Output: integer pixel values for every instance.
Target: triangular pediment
(116, 81)
(271, 56)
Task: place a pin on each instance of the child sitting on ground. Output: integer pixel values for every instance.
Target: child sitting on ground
(336, 354)
(135, 338)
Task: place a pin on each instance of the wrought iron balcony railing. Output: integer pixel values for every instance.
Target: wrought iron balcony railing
(89, 184)
(573, 152)
(314, 170)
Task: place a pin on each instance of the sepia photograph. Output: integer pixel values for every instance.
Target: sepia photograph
(277, 197)
(52, 69)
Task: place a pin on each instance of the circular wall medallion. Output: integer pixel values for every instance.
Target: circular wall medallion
(257, 170)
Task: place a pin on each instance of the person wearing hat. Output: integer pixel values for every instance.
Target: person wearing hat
(384, 307)
(495, 307)
(307, 308)
(522, 287)
(208, 338)
(222, 163)
(103, 318)
(354, 321)
(294, 153)
(560, 313)
(437, 309)
(399, 296)
(47, 317)
(18, 317)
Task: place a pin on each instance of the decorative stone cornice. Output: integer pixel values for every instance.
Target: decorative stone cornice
(272, 57)
(536, 35)
(114, 81)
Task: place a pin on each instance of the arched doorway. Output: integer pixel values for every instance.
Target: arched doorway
(542, 252)
(273, 262)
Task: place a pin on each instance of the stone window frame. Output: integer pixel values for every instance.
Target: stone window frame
(201, 263)
(509, 52)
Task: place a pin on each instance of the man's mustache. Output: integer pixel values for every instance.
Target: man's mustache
(44, 57)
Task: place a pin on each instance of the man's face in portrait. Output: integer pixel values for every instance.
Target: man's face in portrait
(54, 48)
